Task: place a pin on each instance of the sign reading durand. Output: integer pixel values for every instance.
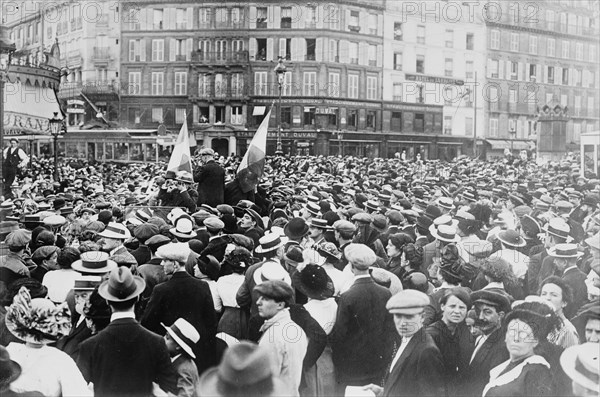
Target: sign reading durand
(433, 79)
(16, 124)
(273, 134)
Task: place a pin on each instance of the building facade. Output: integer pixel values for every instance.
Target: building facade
(88, 36)
(433, 54)
(540, 54)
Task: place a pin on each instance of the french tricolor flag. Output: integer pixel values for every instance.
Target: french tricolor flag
(252, 166)
(181, 157)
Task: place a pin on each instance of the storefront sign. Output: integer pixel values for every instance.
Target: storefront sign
(433, 79)
(75, 102)
(76, 110)
(413, 108)
(329, 102)
(15, 124)
(286, 135)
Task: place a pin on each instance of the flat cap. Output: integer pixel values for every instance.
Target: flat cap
(362, 217)
(214, 223)
(360, 256)
(18, 238)
(157, 240)
(44, 252)
(225, 209)
(207, 152)
(492, 298)
(344, 226)
(278, 290)
(409, 301)
(200, 216)
(145, 231)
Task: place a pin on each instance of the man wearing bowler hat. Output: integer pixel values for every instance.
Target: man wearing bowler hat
(125, 358)
(565, 259)
(417, 368)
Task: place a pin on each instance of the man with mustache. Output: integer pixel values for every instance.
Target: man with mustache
(490, 349)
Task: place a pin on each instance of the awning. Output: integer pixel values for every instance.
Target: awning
(28, 108)
(259, 110)
(501, 144)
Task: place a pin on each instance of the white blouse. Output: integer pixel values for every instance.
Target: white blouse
(48, 371)
(227, 288)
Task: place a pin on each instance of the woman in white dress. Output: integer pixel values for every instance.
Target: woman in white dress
(45, 369)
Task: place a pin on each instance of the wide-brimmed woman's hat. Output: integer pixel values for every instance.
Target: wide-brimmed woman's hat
(121, 285)
(269, 242)
(445, 233)
(184, 334)
(582, 364)
(246, 368)
(329, 250)
(9, 370)
(512, 238)
(564, 251)
(313, 282)
(37, 320)
(94, 262)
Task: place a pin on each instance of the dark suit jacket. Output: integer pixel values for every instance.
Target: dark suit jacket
(575, 278)
(124, 359)
(70, 344)
(533, 271)
(184, 296)
(142, 254)
(430, 251)
(363, 334)
(211, 183)
(419, 371)
(492, 353)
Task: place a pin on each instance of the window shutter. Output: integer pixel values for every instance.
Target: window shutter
(143, 50)
(252, 17)
(131, 50)
(558, 75)
(344, 48)
(296, 15)
(320, 15)
(539, 70)
(348, 20)
(190, 22)
(501, 69)
(282, 48)
(269, 49)
(363, 53)
(527, 72)
(252, 44)
(172, 45)
(379, 55)
(520, 71)
(571, 77)
(276, 17)
(295, 49)
(508, 69)
(142, 15)
(188, 48)
(302, 13)
(489, 68)
(302, 50)
(319, 49)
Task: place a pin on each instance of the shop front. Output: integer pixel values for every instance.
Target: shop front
(295, 143)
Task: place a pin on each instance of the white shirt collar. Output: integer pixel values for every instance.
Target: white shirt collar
(569, 268)
(362, 276)
(175, 358)
(120, 315)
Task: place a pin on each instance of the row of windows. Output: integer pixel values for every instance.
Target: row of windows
(521, 71)
(566, 52)
(398, 64)
(449, 39)
(532, 97)
(279, 17)
(524, 128)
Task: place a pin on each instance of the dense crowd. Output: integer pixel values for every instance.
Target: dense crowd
(329, 276)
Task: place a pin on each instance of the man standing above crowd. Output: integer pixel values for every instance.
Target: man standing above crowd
(211, 179)
(13, 158)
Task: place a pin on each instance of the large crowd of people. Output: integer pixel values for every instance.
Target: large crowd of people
(332, 276)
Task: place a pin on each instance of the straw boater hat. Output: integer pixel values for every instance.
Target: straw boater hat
(558, 227)
(94, 262)
(319, 224)
(269, 242)
(564, 251)
(245, 368)
(581, 363)
(115, 230)
(271, 271)
(445, 233)
(184, 334)
(184, 227)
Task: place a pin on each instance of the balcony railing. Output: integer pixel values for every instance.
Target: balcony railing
(228, 57)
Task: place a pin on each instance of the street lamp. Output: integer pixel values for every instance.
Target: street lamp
(340, 136)
(513, 133)
(55, 125)
(280, 71)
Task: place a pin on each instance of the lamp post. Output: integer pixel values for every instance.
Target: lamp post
(512, 132)
(55, 124)
(6, 47)
(280, 71)
(340, 136)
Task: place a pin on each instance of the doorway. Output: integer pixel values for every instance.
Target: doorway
(221, 146)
